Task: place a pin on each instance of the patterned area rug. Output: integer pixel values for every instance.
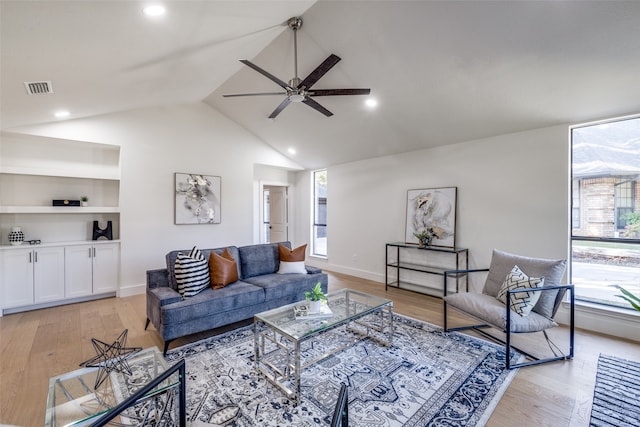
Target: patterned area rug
(617, 393)
(427, 378)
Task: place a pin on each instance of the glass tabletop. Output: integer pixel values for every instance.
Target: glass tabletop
(73, 401)
(345, 305)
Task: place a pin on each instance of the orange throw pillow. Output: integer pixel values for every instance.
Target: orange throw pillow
(292, 255)
(222, 269)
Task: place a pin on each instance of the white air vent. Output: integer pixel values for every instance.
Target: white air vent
(38, 88)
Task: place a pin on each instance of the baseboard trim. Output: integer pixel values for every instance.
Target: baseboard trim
(127, 291)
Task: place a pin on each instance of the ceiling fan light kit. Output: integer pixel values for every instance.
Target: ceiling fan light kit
(297, 90)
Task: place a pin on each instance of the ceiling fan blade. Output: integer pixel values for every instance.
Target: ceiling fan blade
(320, 71)
(267, 74)
(281, 107)
(254, 94)
(330, 92)
(313, 104)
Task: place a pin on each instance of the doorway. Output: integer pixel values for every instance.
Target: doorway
(275, 214)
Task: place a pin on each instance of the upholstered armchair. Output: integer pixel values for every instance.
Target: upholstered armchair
(520, 295)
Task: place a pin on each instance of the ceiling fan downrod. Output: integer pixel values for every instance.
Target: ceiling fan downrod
(295, 24)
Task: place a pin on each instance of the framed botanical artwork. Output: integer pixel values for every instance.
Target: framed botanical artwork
(197, 199)
(431, 217)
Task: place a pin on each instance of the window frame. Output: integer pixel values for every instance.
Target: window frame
(316, 215)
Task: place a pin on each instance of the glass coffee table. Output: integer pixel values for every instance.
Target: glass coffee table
(279, 337)
(73, 401)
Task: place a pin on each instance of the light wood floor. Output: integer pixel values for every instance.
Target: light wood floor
(37, 345)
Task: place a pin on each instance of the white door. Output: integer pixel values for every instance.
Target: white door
(78, 262)
(278, 226)
(106, 258)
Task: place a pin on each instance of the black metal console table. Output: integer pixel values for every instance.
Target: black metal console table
(409, 267)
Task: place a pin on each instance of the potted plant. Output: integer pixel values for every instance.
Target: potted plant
(315, 296)
(425, 236)
(84, 200)
(629, 297)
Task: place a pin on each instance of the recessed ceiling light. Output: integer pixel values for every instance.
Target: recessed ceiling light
(154, 10)
(371, 103)
(61, 114)
(292, 151)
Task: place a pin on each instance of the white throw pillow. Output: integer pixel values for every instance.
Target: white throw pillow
(521, 302)
(291, 267)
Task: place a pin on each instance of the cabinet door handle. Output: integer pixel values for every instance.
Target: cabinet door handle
(30, 258)
(35, 253)
(94, 252)
(89, 252)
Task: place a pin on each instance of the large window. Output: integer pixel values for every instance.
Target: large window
(605, 210)
(319, 238)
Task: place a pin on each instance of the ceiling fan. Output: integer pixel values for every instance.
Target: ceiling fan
(301, 90)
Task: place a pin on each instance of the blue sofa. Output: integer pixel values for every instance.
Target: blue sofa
(259, 288)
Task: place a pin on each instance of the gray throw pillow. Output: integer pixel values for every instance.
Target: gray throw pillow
(551, 269)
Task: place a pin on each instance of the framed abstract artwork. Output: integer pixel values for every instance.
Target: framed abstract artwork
(197, 199)
(431, 214)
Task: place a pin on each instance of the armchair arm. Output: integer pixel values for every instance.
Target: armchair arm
(561, 291)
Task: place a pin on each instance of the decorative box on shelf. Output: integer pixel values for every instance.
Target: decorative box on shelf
(65, 202)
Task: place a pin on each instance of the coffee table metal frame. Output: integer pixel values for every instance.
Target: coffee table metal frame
(277, 330)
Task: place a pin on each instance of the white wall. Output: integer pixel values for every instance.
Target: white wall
(156, 143)
(512, 195)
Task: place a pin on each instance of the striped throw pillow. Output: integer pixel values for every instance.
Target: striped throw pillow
(192, 273)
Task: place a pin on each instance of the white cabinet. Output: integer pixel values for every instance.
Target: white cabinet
(32, 276)
(42, 276)
(91, 269)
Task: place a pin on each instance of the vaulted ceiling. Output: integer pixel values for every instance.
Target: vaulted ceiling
(442, 71)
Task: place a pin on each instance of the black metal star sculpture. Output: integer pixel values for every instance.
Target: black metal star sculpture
(111, 357)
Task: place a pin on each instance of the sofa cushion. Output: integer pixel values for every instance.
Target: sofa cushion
(520, 302)
(551, 269)
(232, 297)
(192, 273)
(280, 285)
(257, 260)
(223, 269)
(492, 311)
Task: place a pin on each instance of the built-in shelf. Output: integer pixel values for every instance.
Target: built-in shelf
(35, 170)
(96, 173)
(59, 209)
